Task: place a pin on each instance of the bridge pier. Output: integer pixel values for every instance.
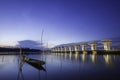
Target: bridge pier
(62, 49)
(70, 49)
(106, 44)
(56, 50)
(59, 49)
(93, 47)
(84, 48)
(77, 47)
(66, 49)
(53, 50)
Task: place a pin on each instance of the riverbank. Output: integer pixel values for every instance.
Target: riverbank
(15, 51)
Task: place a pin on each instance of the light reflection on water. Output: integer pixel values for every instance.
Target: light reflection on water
(62, 66)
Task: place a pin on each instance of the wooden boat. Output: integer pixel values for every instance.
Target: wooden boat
(35, 63)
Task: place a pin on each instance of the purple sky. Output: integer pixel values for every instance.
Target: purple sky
(63, 21)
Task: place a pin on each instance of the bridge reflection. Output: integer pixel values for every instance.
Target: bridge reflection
(107, 59)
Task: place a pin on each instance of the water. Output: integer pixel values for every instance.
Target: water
(62, 67)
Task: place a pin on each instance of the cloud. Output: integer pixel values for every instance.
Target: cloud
(29, 44)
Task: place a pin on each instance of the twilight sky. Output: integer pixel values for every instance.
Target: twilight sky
(63, 21)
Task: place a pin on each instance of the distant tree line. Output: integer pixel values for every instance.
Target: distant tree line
(18, 50)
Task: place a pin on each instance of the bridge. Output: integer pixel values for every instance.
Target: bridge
(82, 47)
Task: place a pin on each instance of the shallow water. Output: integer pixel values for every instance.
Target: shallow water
(62, 67)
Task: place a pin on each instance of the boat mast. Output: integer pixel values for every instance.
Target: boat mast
(20, 53)
(42, 40)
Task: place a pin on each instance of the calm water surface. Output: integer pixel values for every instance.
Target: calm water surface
(62, 67)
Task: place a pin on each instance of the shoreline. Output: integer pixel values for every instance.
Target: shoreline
(97, 52)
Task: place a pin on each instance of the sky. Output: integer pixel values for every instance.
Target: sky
(63, 21)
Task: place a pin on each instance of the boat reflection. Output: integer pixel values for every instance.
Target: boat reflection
(37, 64)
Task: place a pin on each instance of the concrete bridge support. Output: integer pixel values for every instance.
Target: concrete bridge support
(65, 49)
(70, 49)
(106, 44)
(53, 50)
(59, 49)
(62, 49)
(84, 45)
(56, 50)
(77, 48)
(94, 47)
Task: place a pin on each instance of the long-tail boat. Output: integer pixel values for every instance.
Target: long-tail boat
(35, 63)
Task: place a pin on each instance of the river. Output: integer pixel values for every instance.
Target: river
(62, 66)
